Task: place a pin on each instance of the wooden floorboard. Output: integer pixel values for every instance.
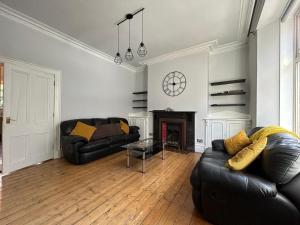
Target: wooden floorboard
(102, 192)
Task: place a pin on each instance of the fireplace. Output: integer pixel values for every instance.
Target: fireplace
(176, 129)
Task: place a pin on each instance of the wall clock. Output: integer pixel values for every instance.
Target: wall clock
(174, 83)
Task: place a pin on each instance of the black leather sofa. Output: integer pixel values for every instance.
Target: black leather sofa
(78, 150)
(267, 192)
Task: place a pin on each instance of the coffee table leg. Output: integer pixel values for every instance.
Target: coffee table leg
(163, 152)
(143, 162)
(128, 158)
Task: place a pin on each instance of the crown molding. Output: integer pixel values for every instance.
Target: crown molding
(28, 21)
(228, 47)
(180, 53)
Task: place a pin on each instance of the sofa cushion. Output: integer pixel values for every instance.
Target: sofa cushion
(94, 145)
(237, 142)
(117, 138)
(124, 127)
(83, 130)
(247, 155)
(107, 130)
(99, 121)
(117, 120)
(67, 126)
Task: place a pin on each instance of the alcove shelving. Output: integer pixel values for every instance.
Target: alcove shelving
(139, 103)
(220, 89)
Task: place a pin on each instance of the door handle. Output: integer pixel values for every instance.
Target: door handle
(8, 119)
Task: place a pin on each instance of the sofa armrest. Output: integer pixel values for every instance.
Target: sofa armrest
(237, 182)
(218, 145)
(133, 129)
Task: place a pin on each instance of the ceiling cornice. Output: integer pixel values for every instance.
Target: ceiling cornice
(228, 47)
(180, 53)
(19, 17)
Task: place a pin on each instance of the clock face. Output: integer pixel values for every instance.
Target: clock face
(174, 83)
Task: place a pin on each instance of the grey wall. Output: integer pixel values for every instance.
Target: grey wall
(91, 86)
(195, 95)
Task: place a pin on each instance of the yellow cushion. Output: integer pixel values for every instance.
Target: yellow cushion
(237, 142)
(83, 130)
(124, 127)
(247, 155)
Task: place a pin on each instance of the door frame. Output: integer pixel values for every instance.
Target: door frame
(57, 103)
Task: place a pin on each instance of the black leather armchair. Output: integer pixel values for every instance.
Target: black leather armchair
(267, 192)
(78, 150)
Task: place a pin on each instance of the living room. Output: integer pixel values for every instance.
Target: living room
(150, 112)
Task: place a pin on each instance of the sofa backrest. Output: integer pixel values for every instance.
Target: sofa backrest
(67, 126)
(281, 158)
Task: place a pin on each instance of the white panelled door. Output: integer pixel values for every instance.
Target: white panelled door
(28, 135)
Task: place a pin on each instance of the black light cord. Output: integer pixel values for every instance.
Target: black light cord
(129, 32)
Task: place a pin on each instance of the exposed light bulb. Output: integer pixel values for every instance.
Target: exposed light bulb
(129, 55)
(118, 58)
(142, 50)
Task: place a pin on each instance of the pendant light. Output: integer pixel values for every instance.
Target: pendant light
(118, 58)
(142, 50)
(129, 54)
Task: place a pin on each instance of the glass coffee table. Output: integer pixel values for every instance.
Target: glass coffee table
(143, 148)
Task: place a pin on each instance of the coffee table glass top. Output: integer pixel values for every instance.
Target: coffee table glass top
(142, 145)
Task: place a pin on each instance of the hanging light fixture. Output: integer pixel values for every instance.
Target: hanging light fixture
(129, 54)
(118, 58)
(142, 50)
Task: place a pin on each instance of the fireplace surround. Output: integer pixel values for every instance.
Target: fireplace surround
(181, 123)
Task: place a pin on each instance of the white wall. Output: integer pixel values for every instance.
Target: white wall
(91, 86)
(268, 71)
(253, 77)
(229, 65)
(195, 95)
(287, 73)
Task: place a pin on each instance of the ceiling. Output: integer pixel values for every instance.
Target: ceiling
(169, 25)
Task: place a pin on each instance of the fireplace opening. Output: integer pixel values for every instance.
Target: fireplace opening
(174, 133)
(175, 129)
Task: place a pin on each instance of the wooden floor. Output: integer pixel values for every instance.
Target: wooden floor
(102, 192)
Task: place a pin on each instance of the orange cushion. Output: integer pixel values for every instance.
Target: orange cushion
(247, 155)
(124, 127)
(83, 130)
(237, 142)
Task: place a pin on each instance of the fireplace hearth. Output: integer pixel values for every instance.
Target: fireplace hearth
(176, 129)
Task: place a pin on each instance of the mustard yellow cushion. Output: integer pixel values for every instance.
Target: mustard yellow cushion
(83, 130)
(237, 142)
(247, 155)
(124, 127)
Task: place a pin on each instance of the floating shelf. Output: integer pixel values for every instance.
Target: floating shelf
(224, 94)
(140, 93)
(140, 107)
(228, 82)
(140, 100)
(222, 105)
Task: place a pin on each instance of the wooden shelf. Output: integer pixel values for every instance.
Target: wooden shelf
(140, 100)
(222, 105)
(224, 94)
(140, 93)
(228, 82)
(140, 107)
